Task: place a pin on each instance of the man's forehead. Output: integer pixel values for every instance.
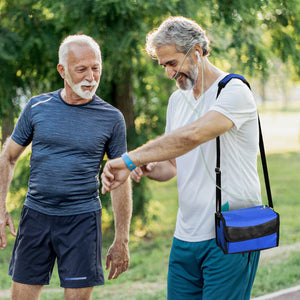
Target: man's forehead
(77, 49)
(167, 53)
(82, 52)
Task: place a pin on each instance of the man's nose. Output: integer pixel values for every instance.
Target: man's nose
(90, 75)
(170, 72)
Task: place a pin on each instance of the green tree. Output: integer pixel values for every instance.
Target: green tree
(246, 36)
(251, 36)
(27, 59)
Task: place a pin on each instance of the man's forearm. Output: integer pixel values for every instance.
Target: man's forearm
(167, 147)
(6, 175)
(182, 140)
(8, 159)
(163, 171)
(122, 208)
(161, 149)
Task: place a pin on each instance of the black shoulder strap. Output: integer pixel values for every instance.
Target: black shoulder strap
(221, 85)
(227, 78)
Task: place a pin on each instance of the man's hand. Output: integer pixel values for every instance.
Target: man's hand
(115, 173)
(5, 220)
(143, 171)
(117, 259)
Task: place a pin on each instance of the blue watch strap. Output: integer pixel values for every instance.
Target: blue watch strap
(128, 162)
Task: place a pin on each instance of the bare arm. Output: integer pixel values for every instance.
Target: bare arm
(182, 140)
(118, 254)
(167, 147)
(8, 158)
(161, 171)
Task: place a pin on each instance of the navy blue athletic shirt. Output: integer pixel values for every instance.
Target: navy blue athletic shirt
(68, 145)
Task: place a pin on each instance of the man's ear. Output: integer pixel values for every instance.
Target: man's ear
(61, 70)
(199, 49)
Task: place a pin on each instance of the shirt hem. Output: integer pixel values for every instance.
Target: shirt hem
(59, 212)
(195, 239)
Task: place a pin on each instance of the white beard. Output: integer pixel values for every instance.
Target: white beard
(77, 87)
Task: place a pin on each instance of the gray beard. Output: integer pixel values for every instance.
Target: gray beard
(190, 81)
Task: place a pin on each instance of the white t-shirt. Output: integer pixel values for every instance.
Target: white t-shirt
(239, 147)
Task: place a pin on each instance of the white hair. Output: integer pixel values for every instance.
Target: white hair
(179, 31)
(78, 39)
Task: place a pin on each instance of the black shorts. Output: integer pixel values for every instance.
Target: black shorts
(75, 241)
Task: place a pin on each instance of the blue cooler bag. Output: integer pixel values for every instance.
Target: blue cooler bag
(248, 229)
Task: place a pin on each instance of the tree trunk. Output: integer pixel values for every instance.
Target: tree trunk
(124, 99)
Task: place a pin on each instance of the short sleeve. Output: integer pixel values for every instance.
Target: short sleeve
(117, 144)
(23, 131)
(236, 102)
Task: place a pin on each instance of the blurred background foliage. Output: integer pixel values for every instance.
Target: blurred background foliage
(255, 38)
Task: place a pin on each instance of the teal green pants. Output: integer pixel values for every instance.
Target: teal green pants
(200, 270)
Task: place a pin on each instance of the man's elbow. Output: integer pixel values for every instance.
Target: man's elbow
(193, 137)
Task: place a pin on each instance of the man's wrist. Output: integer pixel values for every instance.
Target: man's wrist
(122, 239)
(130, 165)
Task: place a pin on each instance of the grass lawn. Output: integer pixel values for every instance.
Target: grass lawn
(281, 270)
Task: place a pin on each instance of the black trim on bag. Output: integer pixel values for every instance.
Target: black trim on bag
(239, 234)
(218, 219)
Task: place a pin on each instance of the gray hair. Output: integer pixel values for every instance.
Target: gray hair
(78, 39)
(179, 31)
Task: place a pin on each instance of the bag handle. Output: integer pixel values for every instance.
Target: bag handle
(221, 85)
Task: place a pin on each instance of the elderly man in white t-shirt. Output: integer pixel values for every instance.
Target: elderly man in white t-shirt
(198, 269)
